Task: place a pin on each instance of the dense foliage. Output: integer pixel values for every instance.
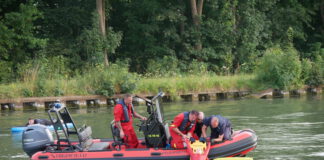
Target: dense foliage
(280, 68)
(43, 41)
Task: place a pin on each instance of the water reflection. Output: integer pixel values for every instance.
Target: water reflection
(16, 139)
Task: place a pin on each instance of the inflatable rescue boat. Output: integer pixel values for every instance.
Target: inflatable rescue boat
(38, 141)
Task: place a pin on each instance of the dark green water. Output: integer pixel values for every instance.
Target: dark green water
(288, 129)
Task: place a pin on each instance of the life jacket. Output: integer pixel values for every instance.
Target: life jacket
(125, 110)
(183, 125)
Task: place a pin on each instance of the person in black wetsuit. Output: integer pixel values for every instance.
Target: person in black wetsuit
(39, 121)
(199, 124)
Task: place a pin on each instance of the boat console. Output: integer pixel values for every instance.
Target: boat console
(154, 129)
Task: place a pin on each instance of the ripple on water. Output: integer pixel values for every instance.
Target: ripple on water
(17, 156)
(22, 155)
(317, 154)
(4, 135)
(280, 157)
(291, 115)
(287, 124)
(319, 137)
(242, 117)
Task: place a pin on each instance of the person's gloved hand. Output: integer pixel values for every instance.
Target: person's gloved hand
(202, 139)
(192, 139)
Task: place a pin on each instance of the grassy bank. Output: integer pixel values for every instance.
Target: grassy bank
(279, 69)
(196, 83)
(109, 83)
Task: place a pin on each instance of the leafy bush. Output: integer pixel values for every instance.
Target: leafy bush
(9, 91)
(27, 92)
(315, 50)
(306, 68)
(315, 77)
(58, 89)
(105, 88)
(196, 67)
(44, 68)
(280, 69)
(40, 89)
(167, 66)
(312, 72)
(110, 80)
(5, 71)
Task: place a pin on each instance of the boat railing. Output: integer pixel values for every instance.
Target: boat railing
(60, 117)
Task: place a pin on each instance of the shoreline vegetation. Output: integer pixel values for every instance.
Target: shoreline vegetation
(72, 48)
(142, 85)
(279, 68)
(173, 86)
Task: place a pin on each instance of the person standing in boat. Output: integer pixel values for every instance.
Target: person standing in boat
(221, 129)
(182, 128)
(123, 116)
(39, 121)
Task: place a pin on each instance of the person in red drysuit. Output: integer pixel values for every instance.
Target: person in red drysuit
(123, 116)
(182, 128)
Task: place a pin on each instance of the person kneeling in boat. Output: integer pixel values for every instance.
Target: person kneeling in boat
(221, 129)
(39, 121)
(123, 116)
(182, 128)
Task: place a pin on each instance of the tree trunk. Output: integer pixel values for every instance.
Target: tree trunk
(234, 10)
(102, 25)
(200, 7)
(196, 12)
(322, 12)
(236, 63)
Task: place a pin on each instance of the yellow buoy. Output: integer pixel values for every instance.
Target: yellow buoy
(198, 147)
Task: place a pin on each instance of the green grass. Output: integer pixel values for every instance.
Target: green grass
(86, 85)
(195, 83)
(51, 88)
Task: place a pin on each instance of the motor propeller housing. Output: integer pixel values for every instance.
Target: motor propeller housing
(36, 138)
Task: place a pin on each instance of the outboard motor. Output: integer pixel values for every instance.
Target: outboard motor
(36, 138)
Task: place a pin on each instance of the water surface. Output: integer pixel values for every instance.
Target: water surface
(288, 129)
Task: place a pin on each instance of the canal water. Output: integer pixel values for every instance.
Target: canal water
(288, 129)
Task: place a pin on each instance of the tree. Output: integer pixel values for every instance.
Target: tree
(17, 39)
(102, 25)
(224, 35)
(62, 23)
(196, 13)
